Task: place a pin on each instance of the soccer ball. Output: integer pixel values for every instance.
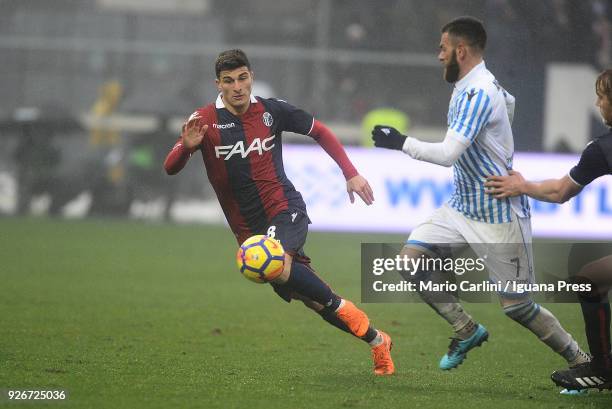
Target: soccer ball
(261, 258)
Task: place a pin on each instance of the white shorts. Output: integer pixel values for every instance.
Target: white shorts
(505, 248)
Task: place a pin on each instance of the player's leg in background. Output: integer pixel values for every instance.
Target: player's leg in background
(596, 278)
(595, 306)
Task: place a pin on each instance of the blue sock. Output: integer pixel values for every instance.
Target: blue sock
(306, 282)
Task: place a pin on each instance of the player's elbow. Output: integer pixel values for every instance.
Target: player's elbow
(563, 192)
(448, 160)
(554, 198)
(170, 170)
(450, 156)
(437, 159)
(550, 196)
(563, 196)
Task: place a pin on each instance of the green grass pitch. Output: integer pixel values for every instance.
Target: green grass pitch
(132, 315)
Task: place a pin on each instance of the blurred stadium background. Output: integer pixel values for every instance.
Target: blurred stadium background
(95, 91)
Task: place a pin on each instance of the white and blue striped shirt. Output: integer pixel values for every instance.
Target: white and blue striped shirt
(479, 116)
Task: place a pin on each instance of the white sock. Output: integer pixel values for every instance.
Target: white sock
(581, 358)
(376, 341)
(462, 323)
(548, 329)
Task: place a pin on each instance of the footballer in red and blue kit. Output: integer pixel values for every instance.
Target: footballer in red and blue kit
(244, 161)
(240, 138)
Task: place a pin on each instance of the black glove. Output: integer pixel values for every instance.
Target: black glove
(388, 137)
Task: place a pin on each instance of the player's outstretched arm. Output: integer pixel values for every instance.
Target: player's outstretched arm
(355, 183)
(551, 190)
(191, 137)
(443, 153)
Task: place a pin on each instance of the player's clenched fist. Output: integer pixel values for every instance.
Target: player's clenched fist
(388, 137)
(193, 132)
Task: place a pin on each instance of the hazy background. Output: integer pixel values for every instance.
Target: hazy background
(94, 91)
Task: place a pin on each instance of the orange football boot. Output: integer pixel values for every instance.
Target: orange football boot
(381, 354)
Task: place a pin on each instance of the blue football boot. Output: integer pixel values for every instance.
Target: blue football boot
(458, 349)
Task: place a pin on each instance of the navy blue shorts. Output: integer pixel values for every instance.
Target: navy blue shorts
(290, 228)
(582, 254)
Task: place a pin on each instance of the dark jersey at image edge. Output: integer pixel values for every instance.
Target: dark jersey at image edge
(595, 161)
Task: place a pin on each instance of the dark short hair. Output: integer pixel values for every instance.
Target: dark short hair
(603, 85)
(230, 60)
(470, 29)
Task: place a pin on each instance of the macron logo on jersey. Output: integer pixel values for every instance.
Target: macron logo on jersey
(258, 145)
(224, 126)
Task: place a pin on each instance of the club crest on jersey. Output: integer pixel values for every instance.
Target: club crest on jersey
(267, 119)
(258, 145)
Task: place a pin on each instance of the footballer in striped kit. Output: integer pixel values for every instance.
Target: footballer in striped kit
(478, 143)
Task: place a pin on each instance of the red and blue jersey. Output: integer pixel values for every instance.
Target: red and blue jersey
(244, 161)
